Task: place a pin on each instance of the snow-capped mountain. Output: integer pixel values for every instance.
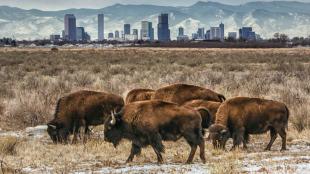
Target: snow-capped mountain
(266, 18)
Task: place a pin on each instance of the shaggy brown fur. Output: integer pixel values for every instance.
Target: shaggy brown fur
(149, 122)
(139, 95)
(181, 93)
(238, 117)
(82, 108)
(211, 106)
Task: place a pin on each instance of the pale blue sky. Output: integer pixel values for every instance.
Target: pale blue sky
(64, 4)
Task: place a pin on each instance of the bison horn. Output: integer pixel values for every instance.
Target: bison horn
(52, 126)
(113, 121)
(223, 131)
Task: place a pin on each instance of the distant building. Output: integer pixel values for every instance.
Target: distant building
(215, 33)
(55, 37)
(232, 35)
(247, 33)
(201, 33)
(222, 32)
(126, 29)
(63, 34)
(70, 27)
(100, 27)
(194, 36)
(144, 32)
(151, 31)
(110, 36)
(181, 31)
(80, 34)
(208, 35)
(163, 28)
(135, 34)
(116, 35)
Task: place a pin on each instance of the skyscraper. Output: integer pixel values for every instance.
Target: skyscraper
(126, 29)
(201, 33)
(80, 34)
(151, 31)
(100, 27)
(135, 34)
(70, 27)
(222, 31)
(215, 33)
(144, 33)
(163, 28)
(247, 33)
(116, 35)
(181, 31)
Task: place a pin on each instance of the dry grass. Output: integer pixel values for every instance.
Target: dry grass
(32, 81)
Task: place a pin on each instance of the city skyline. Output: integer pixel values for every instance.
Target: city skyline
(266, 18)
(95, 4)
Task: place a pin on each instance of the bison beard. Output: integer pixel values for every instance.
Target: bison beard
(117, 128)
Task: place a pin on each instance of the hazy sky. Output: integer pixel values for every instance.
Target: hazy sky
(64, 4)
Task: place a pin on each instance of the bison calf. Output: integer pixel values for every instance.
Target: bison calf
(150, 122)
(82, 108)
(241, 116)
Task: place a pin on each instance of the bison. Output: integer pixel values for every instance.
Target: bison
(238, 117)
(181, 93)
(151, 122)
(82, 108)
(139, 95)
(211, 106)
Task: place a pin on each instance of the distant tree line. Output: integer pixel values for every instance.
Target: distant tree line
(279, 40)
(8, 42)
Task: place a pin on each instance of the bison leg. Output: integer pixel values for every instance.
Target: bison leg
(245, 140)
(202, 151)
(191, 154)
(156, 142)
(134, 151)
(273, 137)
(86, 133)
(238, 138)
(282, 133)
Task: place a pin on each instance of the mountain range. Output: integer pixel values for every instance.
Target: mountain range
(266, 18)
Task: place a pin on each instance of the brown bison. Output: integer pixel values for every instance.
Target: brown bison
(81, 109)
(241, 116)
(181, 93)
(211, 106)
(139, 95)
(150, 122)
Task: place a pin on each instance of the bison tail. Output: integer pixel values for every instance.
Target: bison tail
(221, 97)
(288, 115)
(206, 117)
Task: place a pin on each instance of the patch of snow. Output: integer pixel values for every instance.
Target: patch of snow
(37, 131)
(153, 168)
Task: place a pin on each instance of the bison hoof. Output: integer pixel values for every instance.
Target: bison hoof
(283, 149)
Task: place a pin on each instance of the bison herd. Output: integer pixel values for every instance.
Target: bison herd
(148, 117)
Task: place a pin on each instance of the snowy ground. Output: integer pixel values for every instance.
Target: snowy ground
(255, 160)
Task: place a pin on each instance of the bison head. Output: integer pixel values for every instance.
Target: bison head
(113, 132)
(219, 135)
(57, 132)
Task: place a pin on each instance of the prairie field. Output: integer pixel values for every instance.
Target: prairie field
(32, 80)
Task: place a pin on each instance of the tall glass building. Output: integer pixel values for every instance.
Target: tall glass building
(163, 28)
(100, 27)
(70, 27)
